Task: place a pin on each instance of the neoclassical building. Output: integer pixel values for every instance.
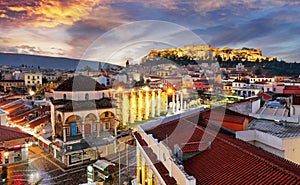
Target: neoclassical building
(83, 119)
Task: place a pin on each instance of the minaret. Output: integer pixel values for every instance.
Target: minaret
(127, 63)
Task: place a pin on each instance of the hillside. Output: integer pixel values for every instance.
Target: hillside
(49, 62)
(227, 58)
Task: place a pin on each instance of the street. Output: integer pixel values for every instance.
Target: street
(41, 167)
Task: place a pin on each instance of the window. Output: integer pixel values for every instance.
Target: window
(38, 77)
(268, 89)
(107, 125)
(28, 77)
(106, 114)
(65, 96)
(78, 127)
(29, 82)
(274, 89)
(67, 131)
(38, 82)
(86, 96)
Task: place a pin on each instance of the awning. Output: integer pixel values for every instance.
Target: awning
(102, 164)
(46, 141)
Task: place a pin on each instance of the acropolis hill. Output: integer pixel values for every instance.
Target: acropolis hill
(206, 52)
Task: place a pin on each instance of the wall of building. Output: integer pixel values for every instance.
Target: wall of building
(81, 95)
(292, 149)
(33, 79)
(287, 148)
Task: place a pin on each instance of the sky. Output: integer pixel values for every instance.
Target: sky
(68, 28)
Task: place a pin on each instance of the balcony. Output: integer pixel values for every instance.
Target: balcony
(72, 138)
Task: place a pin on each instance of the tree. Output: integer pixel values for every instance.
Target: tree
(258, 71)
(4, 172)
(44, 80)
(33, 88)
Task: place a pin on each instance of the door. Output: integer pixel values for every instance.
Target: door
(73, 128)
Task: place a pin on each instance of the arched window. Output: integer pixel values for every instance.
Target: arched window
(65, 96)
(86, 96)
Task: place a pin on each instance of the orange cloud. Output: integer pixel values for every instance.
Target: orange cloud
(50, 13)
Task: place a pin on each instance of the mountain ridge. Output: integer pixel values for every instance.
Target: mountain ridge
(15, 59)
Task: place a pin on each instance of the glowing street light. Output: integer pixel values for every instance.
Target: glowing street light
(31, 93)
(170, 91)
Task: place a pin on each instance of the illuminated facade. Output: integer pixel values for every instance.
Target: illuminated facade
(32, 79)
(141, 104)
(83, 118)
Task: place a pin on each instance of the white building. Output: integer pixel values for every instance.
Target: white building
(262, 78)
(3, 115)
(281, 139)
(105, 80)
(32, 79)
(83, 118)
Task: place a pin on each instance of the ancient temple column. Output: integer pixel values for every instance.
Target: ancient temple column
(147, 102)
(140, 106)
(177, 103)
(125, 107)
(173, 102)
(132, 107)
(181, 101)
(153, 102)
(158, 102)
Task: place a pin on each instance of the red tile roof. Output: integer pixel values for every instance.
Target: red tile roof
(228, 161)
(37, 122)
(265, 96)
(225, 117)
(296, 99)
(192, 147)
(14, 106)
(291, 90)
(9, 133)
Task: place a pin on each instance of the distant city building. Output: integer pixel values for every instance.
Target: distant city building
(51, 77)
(13, 145)
(12, 84)
(33, 79)
(103, 79)
(262, 78)
(277, 137)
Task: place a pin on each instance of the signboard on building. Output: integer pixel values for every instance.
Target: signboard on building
(90, 174)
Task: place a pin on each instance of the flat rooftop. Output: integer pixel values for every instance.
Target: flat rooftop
(278, 129)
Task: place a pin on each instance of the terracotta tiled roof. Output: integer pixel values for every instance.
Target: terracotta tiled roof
(80, 83)
(296, 100)
(14, 106)
(9, 133)
(192, 147)
(225, 117)
(265, 96)
(228, 161)
(37, 122)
